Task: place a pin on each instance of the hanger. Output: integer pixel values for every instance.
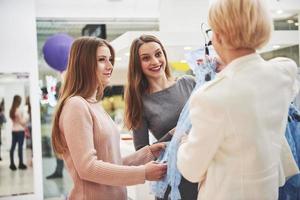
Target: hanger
(205, 30)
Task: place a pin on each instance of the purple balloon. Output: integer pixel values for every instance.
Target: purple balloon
(56, 51)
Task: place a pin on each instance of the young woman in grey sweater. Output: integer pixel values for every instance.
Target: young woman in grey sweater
(154, 99)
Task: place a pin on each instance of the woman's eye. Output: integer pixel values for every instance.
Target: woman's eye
(158, 54)
(101, 59)
(146, 58)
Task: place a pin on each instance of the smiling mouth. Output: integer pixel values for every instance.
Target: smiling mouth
(107, 74)
(155, 69)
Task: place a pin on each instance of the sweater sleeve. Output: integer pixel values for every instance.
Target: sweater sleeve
(77, 126)
(140, 157)
(141, 135)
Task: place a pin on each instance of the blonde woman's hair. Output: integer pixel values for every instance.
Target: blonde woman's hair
(137, 83)
(242, 23)
(82, 78)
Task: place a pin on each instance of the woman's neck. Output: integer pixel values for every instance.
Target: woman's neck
(230, 55)
(156, 85)
(93, 98)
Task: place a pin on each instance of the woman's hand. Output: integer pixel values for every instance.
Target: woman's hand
(220, 65)
(157, 148)
(155, 171)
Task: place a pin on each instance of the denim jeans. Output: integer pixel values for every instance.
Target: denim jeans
(17, 138)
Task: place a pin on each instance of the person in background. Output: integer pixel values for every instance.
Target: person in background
(86, 137)
(154, 99)
(2, 121)
(236, 148)
(18, 132)
(58, 172)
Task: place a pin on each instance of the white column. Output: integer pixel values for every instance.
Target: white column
(18, 53)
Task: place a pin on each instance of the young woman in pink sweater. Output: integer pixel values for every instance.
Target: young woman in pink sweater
(86, 137)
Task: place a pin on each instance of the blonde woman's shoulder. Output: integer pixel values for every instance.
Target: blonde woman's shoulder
(286, 64)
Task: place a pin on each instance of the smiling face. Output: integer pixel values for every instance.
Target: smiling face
(153, 60)
(105, 67)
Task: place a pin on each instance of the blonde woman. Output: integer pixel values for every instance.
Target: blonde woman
(238, 120)
(86, 137)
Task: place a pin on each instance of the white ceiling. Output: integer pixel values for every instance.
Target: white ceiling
(130, 15)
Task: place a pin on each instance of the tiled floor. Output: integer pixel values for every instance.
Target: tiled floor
(58, 187)
(18, 181)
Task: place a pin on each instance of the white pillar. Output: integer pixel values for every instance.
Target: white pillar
(18, 53)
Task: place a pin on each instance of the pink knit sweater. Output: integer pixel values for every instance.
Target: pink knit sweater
(93, 157)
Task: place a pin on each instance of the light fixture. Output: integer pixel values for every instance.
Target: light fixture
(118, 58)
(296, 24)
(276, 46)
(290, 21)
(183, 61)
(279, 12)
(127, 54)
(187, 48)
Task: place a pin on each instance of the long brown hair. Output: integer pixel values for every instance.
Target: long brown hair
(15, 104)
(137, 82)
(82, 79)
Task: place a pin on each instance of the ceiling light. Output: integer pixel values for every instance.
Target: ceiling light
(279, 12)
(276, 46)
(296, 24)
(183, 61)
(290, 21)
(187, 48)
(127, 54)
(118, 58)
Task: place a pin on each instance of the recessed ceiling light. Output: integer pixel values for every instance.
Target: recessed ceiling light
(279, 12)
(187, 48)
(296, 24)
(290, 21)
(276, 46)
(183, 61)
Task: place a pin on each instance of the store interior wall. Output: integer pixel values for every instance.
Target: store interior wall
(18, 49)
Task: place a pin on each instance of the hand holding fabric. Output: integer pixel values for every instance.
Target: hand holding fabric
(155, 171)
(157, 148)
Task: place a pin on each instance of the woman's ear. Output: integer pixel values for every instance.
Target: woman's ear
(218, 38)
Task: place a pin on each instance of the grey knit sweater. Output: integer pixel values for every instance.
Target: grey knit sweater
(161, 111)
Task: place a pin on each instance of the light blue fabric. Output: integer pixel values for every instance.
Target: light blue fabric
(173, 176)
(291, 189)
